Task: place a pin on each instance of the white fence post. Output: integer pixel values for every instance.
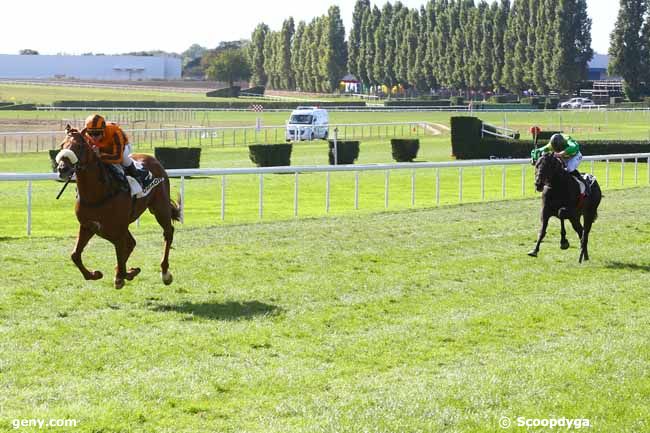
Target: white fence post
(223, 197)
(29, 208)
(295, 195)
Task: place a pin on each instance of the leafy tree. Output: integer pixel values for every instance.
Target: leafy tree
(297, 55)
(626, 45)
(229, 65)
(283, 66)
(195, 51)
(256, 55)
(369, 52)
(572, 45)
(28, 52)
(356, 40)
(486, 67)
(337, 53)
(379, 66)
(270, 56)
(499, 43)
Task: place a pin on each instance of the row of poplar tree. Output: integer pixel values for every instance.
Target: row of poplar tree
(454, 44)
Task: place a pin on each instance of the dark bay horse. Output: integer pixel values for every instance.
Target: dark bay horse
(104, 207)
(561, 199)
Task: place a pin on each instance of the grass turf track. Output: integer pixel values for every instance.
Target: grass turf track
(426, 320)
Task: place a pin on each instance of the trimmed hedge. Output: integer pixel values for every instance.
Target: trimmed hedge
(244, 104)
(417, 103)
(257, 90)
(225, 92)
(457, 100)
(346, 151)
(270, 155)
(178, 157)
(21, 107)
(466, 143)
(465, 135)
(53, 153)
(405, 149)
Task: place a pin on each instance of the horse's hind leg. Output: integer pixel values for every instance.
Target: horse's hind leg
(164, 218)
(130, 245)
(564, 242)
(584, 252)
(85, 233)
(122, 253)
(575, 222)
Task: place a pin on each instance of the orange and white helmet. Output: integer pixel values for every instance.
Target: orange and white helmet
(95, 123)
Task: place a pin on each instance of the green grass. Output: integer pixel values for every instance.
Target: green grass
(426, 320)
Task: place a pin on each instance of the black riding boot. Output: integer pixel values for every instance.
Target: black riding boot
(582, 180)
(142, 176)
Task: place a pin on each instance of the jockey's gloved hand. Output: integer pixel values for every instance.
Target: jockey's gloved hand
(535, 154)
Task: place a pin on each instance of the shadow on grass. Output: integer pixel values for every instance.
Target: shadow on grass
(628, 266)
(221, 311)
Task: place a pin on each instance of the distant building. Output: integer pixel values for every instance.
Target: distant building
(89, 67)
(598, 68)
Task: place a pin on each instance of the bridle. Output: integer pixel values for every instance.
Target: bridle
(78, 162)
(547, 164)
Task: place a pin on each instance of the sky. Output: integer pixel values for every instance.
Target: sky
(120, 26)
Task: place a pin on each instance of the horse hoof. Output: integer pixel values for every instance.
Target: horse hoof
(132, 273)
(564, 245)
(167, 277)
(532, 253)
(119, 283)
(95, 275)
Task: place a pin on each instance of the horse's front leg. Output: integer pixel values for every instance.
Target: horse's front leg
(564, 242)
(542, 232)
(85, 233)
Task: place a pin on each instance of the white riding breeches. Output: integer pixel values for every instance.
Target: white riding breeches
(573, 163)
(126, 160)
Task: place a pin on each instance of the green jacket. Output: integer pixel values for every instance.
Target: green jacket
(571, 147)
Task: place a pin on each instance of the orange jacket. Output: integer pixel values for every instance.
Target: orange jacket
(111, 146)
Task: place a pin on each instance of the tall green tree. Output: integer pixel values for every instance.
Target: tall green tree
(256, 55)
(428, 40)
(286, 77)
(499, 43)
(381, 36)
(356, 38)
(626, 46)
(337, 53)
(297, 62)
(369, 52)
(487, 46)
(270, 55)
(572, 45)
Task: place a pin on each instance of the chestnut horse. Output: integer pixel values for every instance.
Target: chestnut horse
(105, 208)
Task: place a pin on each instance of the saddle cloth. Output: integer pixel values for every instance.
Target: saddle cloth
(135, 188)
(588, 178)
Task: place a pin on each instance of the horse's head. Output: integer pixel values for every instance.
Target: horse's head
(546, 168)
(74, 155)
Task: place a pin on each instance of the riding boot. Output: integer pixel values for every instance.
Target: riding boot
(142, 176)
(582, 180)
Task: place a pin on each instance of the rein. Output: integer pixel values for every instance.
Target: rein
(103, 176)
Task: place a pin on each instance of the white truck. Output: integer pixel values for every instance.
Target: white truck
(307, 123)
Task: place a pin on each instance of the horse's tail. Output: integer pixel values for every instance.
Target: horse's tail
(176, 209)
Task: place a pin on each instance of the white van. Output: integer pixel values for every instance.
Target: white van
(307, 123)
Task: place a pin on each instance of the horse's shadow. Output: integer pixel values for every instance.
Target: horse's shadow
(230, 310)
(628, 266)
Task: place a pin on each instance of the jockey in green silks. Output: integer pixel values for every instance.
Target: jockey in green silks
(566, 148)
